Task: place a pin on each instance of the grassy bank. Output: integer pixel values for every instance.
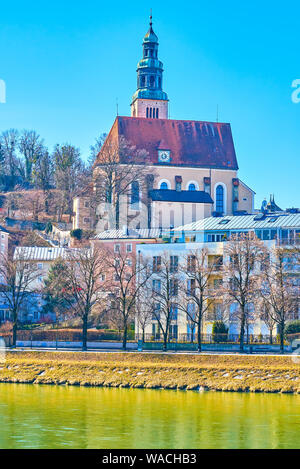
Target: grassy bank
(146, 370)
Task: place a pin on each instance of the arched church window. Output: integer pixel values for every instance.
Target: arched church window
(135, 193)
(142, 81)
(220, 199)
(164, 186)
(152, 80)
(192, 187)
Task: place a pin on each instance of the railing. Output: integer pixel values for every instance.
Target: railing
(288, 242)
(213, 338)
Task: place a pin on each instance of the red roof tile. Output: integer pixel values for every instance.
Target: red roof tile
(192, 143)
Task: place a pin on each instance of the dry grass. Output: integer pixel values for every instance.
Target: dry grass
(146, 370)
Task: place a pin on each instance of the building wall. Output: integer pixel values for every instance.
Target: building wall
(182, 250)
(166, 214)
(139, 108)
(138, 217)
(82, 213)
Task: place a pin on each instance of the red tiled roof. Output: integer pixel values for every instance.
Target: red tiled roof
(192, 143)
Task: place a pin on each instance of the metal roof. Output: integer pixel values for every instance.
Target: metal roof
(130, 234)
(40, 253)
(244, 222)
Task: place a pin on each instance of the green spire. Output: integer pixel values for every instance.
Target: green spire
(150, 70)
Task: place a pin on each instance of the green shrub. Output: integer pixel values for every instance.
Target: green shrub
(219, 332)
(76, 233)
(292, 328)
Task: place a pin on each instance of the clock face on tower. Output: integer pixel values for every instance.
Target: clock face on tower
(164, 156)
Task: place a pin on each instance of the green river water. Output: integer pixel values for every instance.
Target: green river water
(35, 416)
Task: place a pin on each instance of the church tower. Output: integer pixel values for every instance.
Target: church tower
(149, 100)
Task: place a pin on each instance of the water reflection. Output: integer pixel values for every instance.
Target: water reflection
(33, 416)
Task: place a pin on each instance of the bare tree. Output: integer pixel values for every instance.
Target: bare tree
(127, 277)
(268, 319)
(117, 167)
(197, 291)
(242, 276)
(9, 146)
(31, 148)
(144, 310)
(79, 275)
(31, 204)
(68, 171)
(165, 294)
(42, 175)
(95, 149)
(19, 277)
(278, 289)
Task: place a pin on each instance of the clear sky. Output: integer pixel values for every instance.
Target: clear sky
(65, 63)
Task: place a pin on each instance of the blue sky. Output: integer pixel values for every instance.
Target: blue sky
(66, 63)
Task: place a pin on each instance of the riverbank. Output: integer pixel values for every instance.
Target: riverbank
(154, 371)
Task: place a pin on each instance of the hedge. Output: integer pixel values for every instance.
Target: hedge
(71, 335)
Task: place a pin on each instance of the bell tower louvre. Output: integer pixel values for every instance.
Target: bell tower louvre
(149, 100)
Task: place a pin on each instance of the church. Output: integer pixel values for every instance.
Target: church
(192, 168)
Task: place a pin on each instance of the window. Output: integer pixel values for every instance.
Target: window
(128, 247)
(224, 222)
(152, 80)
(102, 277)
(156, 312)
(157, 113)
(192, 187)
(156, 286)
(171, 219)
(174, 287)
(191, 263)
(173, 312)
(191, 312)
(174, 263)
(40, 266)
(191, 286)
(266, 235)
(143, 82)
(164, 186)
(220, 199)
(156, 263)
(135, 193)
(129, 262)
(86, 204)
(147, 112)
(173, 331)
(218, 282)
(86, 220)
(117, 247)
(194, 210)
